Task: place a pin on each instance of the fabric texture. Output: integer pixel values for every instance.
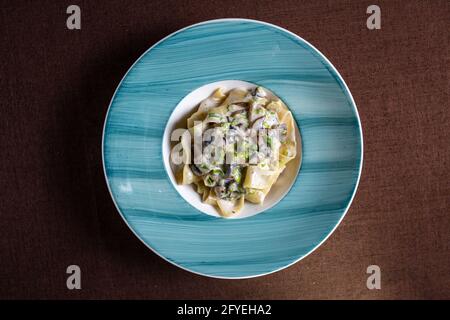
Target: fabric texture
(55, 209)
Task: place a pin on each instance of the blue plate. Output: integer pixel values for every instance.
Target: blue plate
(259, 53)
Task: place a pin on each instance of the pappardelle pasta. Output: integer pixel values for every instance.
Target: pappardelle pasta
(235, 147)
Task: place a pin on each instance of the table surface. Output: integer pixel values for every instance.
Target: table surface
(55, 209)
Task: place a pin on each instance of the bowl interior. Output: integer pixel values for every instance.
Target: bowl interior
(178, 120)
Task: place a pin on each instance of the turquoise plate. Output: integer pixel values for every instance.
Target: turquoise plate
(259, 53)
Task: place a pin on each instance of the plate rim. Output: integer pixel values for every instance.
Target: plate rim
(341, 79)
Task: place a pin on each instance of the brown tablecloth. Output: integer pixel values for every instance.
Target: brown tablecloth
(55, 210)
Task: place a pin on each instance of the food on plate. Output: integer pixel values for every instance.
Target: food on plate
(236, 146)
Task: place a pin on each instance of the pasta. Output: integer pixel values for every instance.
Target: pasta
(236, 146)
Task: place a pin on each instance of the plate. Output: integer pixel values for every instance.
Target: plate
(238, 50)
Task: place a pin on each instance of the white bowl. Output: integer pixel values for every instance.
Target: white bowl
(177, 119)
